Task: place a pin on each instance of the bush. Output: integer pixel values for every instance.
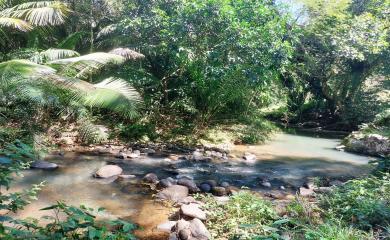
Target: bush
(79, 223)
(364, 203)
(335, 231)
(137, 132)
(245, 216)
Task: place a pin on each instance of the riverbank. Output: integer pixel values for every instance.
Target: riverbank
(276, 171)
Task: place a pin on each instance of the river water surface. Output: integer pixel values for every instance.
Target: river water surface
(286, 160)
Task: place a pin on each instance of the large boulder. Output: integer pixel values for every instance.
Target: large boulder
(43, 165)
(193, 210)
(108, 171)
(190, 184)
(199, 230)
(150, 178)
(166, 226)
(371, 144)
(173, 193)
(219, 191)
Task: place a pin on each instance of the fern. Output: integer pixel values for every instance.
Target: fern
(90, 133)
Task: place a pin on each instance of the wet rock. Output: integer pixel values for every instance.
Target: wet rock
(322, 189)
(108, 171)
(219, 191)
(167, 226)
(266, 184)
(232, 190)
(173, 157)
(187, 200)
(305, 192)
(43, 165)
(225, 184)
(190, 184)
(340, 148)
(199, 230)
(212, 183)
(123, 176)
(336, 183)
(249, 157)
(193, 210)
(197, 156)
(184, 234)
(184, 176)
(164, 183)
(173, 193)
(150, 178)
(372, 144)
(121, 155)
(149, 151)
(205, 187)
(172, 236)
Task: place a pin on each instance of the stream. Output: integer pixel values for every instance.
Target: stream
(287, 160)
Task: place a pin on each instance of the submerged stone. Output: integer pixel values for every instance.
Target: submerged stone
(43, 165)
(108, 171)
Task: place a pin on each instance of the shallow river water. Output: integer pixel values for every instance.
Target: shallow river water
(286, 160)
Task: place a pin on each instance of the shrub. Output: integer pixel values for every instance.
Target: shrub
(245, 216)
(335, 231)
(364, 203)
(78, 223)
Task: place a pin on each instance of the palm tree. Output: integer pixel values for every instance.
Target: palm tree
(59, 70)
(25, 16)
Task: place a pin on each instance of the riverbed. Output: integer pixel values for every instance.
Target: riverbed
(287, 160)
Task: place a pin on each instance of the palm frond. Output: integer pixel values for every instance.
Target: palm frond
(108, 30)
(25, 68)
(53, 54)
(84, 66)
(100, 57)
(40, 13)
(116, 95)
(127, 53)
(15, 23)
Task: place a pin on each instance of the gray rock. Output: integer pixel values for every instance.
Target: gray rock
(172, 236)
(193, 210)
(123, 176)
(150, 178)
(108, 171)
(167, 226)
(219, 191)
(372, 144)
(164, 183)
(188, 183)
(336, 183)
(121, 155)
(197, 156)
(212, 183)
(187, 200)
(305, 192)
(184, 176)
(173, 193)
(205, 187)
(225, 184)
(266, 184)
(249, 157)
(199, 230)
(43, 165)
(184, 234)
